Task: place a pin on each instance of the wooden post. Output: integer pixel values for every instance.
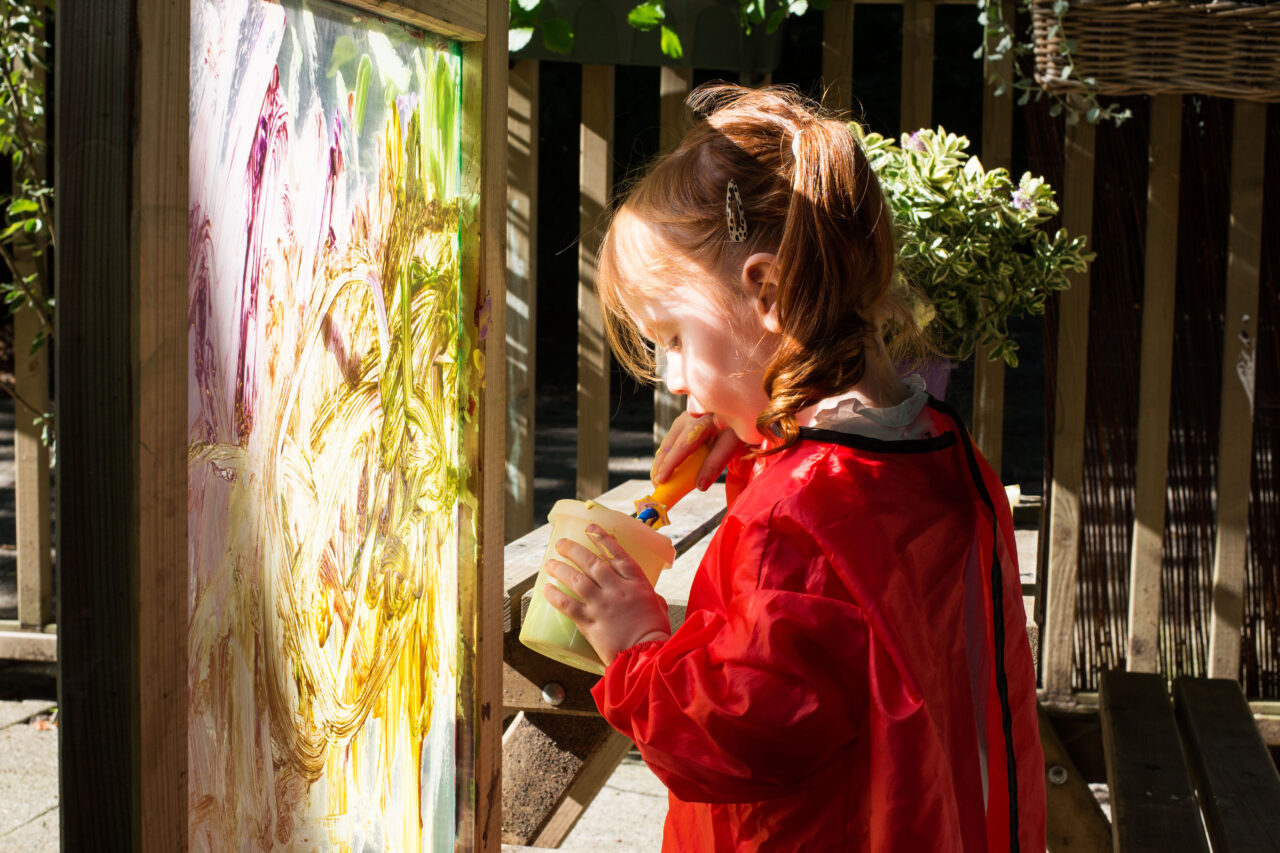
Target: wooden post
(485, 707)
(594, 183)
(673, 122)
(1235, 448)
(997, 151)
(1150, 477)
(122, 81)
(1068, 447)
(917, 64)
(837, 56)
(522, 292)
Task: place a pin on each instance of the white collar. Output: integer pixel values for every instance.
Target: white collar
(847, 413)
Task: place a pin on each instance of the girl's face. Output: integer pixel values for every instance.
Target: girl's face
(716, 351)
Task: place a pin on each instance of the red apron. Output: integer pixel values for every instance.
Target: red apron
(853, 672)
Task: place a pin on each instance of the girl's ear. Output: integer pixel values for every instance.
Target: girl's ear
(761, 288)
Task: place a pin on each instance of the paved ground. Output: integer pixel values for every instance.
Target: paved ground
(28, 758)
(28, 696)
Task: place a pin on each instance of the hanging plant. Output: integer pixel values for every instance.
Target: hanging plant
(1002, 40)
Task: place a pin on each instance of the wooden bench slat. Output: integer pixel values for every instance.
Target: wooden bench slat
(1153, 806)
(1238, 782)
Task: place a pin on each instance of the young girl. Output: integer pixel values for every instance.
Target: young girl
(853, 671)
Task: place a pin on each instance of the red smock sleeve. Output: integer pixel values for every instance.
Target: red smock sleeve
(747, 699)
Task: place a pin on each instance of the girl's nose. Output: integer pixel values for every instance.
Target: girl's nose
(673, 371)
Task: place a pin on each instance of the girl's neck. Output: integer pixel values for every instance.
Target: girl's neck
(881, 387)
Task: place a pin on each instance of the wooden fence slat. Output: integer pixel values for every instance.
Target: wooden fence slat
(837, 56)
(31, 457)
(997, 151)
(594, 183)
(1235, 449)
(1150, 477)
(522, 292)
(917, 64)
(673, 117)
(1068, 452)
(674, 85)
(31, 475)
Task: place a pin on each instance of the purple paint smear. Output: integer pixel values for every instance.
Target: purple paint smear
(269, 146)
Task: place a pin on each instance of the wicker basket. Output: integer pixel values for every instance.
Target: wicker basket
(1227, 49)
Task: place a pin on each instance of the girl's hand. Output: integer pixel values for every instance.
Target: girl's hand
(618, 607)
(687, 433)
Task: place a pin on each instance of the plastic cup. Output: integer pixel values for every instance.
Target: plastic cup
(548, 631)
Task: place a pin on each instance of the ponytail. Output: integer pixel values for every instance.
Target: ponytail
(835, 262)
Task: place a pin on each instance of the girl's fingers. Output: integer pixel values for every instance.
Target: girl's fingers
(617, 559)
(578, 581)
(566, 604)
(686, 434)
(599, 568)
(724, 448)
(579, 556)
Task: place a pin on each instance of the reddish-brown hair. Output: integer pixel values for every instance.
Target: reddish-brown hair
(810, 198)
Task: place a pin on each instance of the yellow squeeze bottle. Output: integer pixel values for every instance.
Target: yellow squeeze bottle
(548, 631)
(652, 510)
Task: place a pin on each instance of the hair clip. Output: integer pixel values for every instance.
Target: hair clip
(735, 213)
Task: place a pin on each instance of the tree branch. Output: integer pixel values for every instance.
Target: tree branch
(35, 300)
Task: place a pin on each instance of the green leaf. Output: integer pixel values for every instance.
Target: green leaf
(518, 37)
(557, 35)
(775, 20)
(646, 16)
(671, 43)
(22, 205)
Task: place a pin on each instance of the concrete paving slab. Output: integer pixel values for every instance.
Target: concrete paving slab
(39, 835)
(16, 713)
(626, 816)
(28, 787)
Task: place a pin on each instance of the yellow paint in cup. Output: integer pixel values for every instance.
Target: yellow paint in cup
(547, 630)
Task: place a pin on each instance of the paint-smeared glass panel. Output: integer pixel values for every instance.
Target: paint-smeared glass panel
(329, 380)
